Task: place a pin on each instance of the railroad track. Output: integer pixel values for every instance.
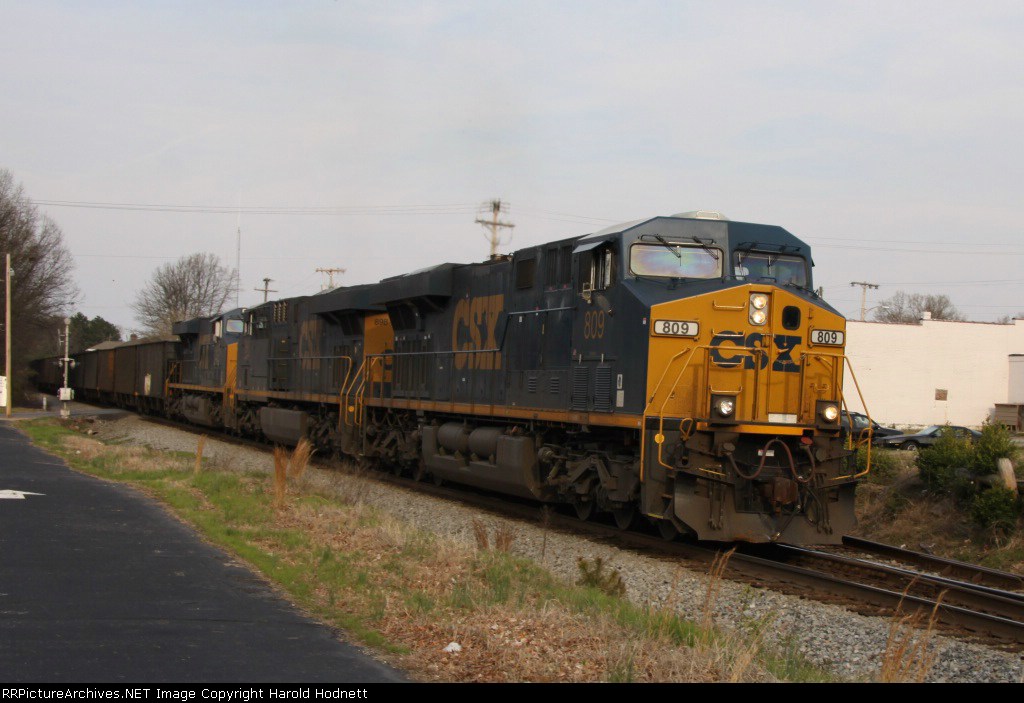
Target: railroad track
(941, 566)
(966, 599)
(987, 613)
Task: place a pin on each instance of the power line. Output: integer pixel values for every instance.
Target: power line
(452, 209)
(924, 251)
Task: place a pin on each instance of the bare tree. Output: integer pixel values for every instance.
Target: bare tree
(907, 309)
(42, 289)
(193, 286)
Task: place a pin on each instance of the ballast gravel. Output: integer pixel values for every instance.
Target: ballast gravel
(849, 644)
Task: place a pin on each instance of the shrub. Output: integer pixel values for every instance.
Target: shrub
(938, 464)
(995, 509)
(994, 444)
(884, 464)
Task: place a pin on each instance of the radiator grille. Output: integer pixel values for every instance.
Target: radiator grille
(603, 389)
(580, 386)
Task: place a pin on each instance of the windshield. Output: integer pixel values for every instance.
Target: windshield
(235, 326)
(784, 269)
(672, 260)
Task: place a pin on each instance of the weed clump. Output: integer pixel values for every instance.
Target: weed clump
(594, 575)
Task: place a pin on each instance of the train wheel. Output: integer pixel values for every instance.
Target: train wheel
(584, 508)
(624, 516)
(667, 530)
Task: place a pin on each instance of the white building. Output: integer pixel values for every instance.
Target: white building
(934, 372)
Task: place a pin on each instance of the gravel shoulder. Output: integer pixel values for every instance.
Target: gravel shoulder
(850, 644)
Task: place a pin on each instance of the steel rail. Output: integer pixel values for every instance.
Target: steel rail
(1005, 604)
(940, 565)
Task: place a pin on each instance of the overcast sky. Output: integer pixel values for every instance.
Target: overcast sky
(887, 135)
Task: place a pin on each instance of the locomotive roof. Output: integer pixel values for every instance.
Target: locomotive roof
(134, 342)
(432, 282)
(739, 233)
(344, 299)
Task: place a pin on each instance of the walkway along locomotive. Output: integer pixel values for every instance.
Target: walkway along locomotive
(677, 368)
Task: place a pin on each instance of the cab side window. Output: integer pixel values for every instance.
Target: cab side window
(597, 269)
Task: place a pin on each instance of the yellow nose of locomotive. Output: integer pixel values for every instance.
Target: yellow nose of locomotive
(759, 355)
(743, 415)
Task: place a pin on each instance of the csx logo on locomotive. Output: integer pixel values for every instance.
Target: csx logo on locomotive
(784, 343)
(474, 328)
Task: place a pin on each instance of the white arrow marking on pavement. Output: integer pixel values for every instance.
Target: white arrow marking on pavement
(8, 494)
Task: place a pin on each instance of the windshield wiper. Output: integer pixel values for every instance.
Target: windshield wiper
(704, 245)
(674, 250)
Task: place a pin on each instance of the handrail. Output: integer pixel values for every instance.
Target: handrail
(702, 400)
(659, 439)
(845, 364)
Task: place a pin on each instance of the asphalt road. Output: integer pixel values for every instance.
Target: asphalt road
(99, 584)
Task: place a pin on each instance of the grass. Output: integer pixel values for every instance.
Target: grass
(409, 593)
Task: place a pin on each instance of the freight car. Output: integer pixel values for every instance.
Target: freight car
(680, 369)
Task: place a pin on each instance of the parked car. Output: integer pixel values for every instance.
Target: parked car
(925, 438)
(860, 422)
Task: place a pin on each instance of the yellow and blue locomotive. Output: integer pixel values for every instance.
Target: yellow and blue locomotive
(676, 369)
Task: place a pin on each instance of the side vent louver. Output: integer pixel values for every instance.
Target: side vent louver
(580, 386)
(603, 389)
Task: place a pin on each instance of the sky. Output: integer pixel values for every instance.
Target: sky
(370, 135)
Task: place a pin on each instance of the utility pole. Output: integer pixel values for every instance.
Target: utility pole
(497, 207)
(7, 333)
(330, 276)
(238, 261)
(265, 289)
(863, 296)
(65, 392)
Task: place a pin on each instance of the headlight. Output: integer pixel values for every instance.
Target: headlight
(723, 407)
(829, 413)
(758, 308)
